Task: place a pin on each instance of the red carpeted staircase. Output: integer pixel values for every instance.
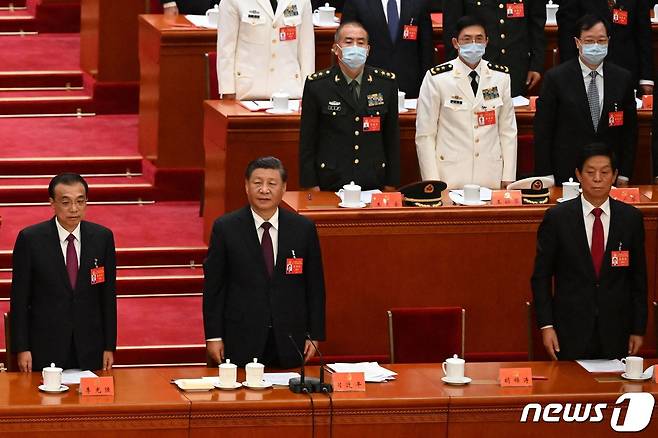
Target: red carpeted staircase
(47, 126)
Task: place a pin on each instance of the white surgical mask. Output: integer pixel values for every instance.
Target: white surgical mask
(594, 53)
(472, 53)
(353, 56)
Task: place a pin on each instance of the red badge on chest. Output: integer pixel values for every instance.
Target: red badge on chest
(410, 32)
(620, 17)
(294, 266)
(372, 124)
(486, 118)
(619, 259)
(616, 118)
(515, 10)
(287, 33)
(98, 275)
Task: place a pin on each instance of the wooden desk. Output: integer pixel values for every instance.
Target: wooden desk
(234, 136)
(478, 258)
(144, 405)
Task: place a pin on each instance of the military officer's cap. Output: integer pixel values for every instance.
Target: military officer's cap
(440, 69)
(500, 68)
(534, 190)
(423, 193)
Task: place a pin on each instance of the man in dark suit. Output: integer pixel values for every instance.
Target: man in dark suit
(630, 34)
(592, 249)
(516, 35)
(400, 33)
(193, 7)
(63, 301)
(349, 128)
(263, 277)
(584, 100)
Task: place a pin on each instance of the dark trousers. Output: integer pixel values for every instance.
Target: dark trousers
(270, 356)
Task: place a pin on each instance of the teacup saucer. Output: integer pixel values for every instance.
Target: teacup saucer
(359, 205)
(276, 111)
(644, 376)
(62, 388)
(235, 385)
(263, 385)
(456, 380)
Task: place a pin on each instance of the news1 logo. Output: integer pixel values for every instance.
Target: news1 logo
(638, 413)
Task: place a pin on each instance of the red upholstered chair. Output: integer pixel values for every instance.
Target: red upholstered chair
(425, 334)
(536, 350)
(212, 85)
(10, 357)
(440, 53)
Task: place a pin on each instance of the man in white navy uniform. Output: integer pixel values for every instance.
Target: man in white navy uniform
(465, 123)
(264, 47)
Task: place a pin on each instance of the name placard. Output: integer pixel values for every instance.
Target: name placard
(348, 382)
(515, 377)
(96, 386)
(629, 195)
(386, 200)
(506, 197)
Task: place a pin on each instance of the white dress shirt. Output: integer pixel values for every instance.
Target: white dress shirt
(63, 235)
(589, 219)
(385, 6)
(274, 229)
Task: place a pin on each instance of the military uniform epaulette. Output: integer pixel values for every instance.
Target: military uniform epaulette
(501, 68)
(384, 73)
(318, 75)
(440, 69)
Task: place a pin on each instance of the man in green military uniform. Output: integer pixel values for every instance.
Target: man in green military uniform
(516, 35)
(349, 128)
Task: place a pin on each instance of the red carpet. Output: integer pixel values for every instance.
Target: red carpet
(35, 52)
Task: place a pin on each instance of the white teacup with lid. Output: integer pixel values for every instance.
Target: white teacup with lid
(52, 377)
(570, 189)
(453, 367)
(280, 102)
(254, 372)
(228, 374)
(325, 15)
(213, 15)
(352, 194)
(551, 12)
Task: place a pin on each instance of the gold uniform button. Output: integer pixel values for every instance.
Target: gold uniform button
(237, 74)
(383, 164)
(273, 55)
(479, 3)
(356, 147)
(272, 69)
(322, 166)
(273, 41)
(356, 119)
(296, 76)
(356, 161)
(477, 154)
(502, 21)
(441, 157)
(502, 36)
(501, 6)
(333, 113)
(502, 51)
(477, 140)
(377, 112)
(356, 132)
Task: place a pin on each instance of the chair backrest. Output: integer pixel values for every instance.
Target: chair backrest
(440, 53)
(426, 334)
(212, 84)
(153, 7)
(10, 358)
(536, 350)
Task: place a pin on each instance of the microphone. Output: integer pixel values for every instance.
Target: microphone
(300, 384)
(320, 386)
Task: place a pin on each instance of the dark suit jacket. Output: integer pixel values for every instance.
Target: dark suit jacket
(518, 43)
(194, 7)
(333, 148)
(630, 45)
(46, 313)
(408, 59)
(240, 300)
(617, 301)
(563, 123)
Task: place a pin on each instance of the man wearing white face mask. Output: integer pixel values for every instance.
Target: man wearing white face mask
(349, 127)
(465, 126)
(585, 100)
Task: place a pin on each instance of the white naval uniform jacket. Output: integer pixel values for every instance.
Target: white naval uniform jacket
(450, 144)
(252, 61)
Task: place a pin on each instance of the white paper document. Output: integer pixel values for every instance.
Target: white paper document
(520, 101)
(366, 195)
(200, 21)
(373, 372)
(280, 379)
(411, 103)
(485, 193)
(262, 105)
(72, 376)
(602, 366)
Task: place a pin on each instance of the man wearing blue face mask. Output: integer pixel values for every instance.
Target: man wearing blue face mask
(465, 123)
(349, 127)
(585, 100)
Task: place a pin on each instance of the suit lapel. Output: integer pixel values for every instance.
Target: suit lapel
(251, 239)
(55, 249)
(86, 249)
(612, 243)
(366, 86)
(485, 79)
(463, 83)
(267, 7)
(581, 240)
(283, 250)
(338, 79)
(608, 94)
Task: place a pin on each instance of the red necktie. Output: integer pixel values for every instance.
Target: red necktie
(597, 240)
(266, 247)
(71, 260)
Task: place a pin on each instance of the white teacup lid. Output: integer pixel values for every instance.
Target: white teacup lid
(326, 7)
(454, 359)
(254, 364)
(550, 4)
(280, 94)
(571, 182)
(227, 364)
(52, 367)
(351, 186)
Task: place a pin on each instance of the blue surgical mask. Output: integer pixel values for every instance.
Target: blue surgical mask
(472, 53)
(354, 56)
(594, 53)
